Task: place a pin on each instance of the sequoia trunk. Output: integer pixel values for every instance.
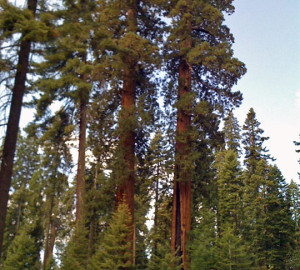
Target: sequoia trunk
(13, 126)
(181, 214)
(125, 191)
(127, 139)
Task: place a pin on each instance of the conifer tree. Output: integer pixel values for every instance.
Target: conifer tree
(68, 54)
(253, 141)
(24, 251)
(231, 252)
(159, 161)
(279, 226)
(10, 142)
(294, 195)
(27, 162)
(164, 259)
(25, 214)
(230, 187)
(102, 142)
(253, 211)
(134, 60)
(203, 248)
(56, 165)
(114, 251)
(199, 49)
(232, 133)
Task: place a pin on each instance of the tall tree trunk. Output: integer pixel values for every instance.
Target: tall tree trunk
(125, 191)
(80, 184)
(50, 243)
(47, 233)
(92, 227)
(181, 213)
(154, 251)
(13, 126)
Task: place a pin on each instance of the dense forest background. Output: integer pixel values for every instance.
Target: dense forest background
(165, 176)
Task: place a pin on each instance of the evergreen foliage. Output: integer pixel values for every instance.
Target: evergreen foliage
(232, 133)
(23, 253)
(148, 83)
(232, 253)
(230, 188)
(114, 250)
(203, 254)
(253, 141)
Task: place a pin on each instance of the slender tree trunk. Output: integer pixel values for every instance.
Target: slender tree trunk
(80, 184)
(127, 129)
(181, 213)
(156, 209)
(19, 215)
(47, 238)
(91, 247)
(50, 243)
(13, 126)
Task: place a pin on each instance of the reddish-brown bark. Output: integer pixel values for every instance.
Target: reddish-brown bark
(52, 240)
(125, 191)
(13, 126)
(181, 214)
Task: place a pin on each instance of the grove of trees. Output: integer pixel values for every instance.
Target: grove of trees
(134, 158)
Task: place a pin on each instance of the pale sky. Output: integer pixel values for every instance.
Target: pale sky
(267, 40)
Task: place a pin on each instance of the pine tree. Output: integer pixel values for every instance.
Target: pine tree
(69, 55)
(164, 259)
(293, 192)
(56, 165)
(24, 252)
(230, 187)
(231, 252)
(159, 163)
(203, 254)
(24, 235)
(232, 133)
(253, 211)
(114, 251)
(10, 142)
(279, 226)
(253, 141)
(294, 195)
(27, 161)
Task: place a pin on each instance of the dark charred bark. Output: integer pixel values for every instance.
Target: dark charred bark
(125, 191)
(13, 126)
(181, 214)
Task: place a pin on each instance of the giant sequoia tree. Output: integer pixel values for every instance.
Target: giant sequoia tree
(201, 67)
(135, 60)
(99, 75)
